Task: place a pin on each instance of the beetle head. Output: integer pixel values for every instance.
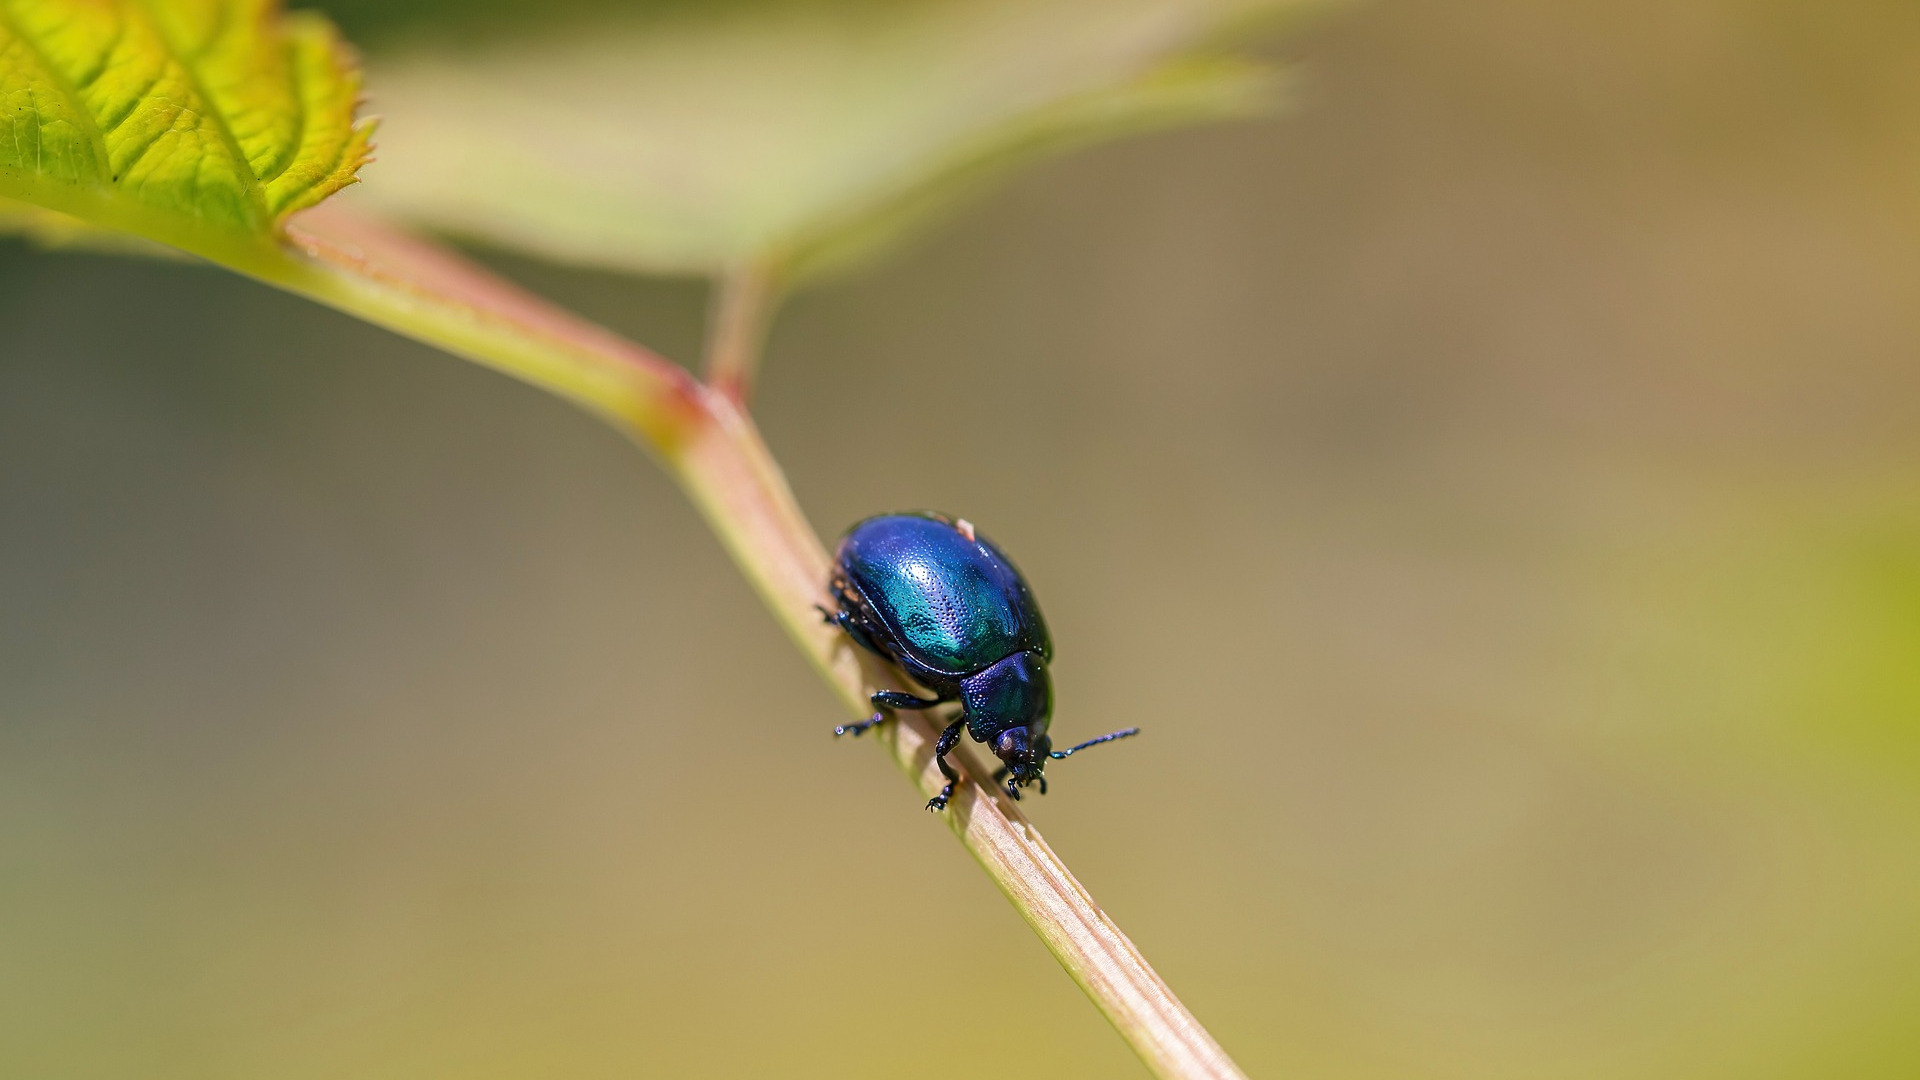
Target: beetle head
(1023, 757)
(1026, 755)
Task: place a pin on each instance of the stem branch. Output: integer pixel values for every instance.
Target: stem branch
(744, 299)
(706, 440)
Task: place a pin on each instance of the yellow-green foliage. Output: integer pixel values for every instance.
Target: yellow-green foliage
(185, 120)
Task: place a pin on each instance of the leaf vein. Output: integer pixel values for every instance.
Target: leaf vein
(134, 101)
(296, 76)
(95, 138)
(86, 81)
(222, 126)
(222, 22)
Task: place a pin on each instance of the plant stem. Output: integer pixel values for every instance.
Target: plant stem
(731, 476)
(705, 438)
(744, 299)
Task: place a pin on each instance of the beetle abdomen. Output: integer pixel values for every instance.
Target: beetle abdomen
(952, 602)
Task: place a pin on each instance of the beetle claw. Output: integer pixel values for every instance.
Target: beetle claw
(858, 729)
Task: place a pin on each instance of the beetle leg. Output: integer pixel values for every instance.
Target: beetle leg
(948, 739)
(894, 699)
(887, 699)
(855, 729)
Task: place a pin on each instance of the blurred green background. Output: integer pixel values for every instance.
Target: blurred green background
(1494, 485)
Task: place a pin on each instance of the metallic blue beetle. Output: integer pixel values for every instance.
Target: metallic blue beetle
(930, 594)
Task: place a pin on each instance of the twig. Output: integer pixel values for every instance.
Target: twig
(744, 299)
(705, 438)
(756, 516)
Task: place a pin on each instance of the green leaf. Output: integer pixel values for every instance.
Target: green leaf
(199, 123)
(795, 136)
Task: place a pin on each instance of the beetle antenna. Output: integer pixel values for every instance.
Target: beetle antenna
(1121, 734)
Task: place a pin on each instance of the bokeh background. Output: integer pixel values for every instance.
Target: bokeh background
(1495, 486)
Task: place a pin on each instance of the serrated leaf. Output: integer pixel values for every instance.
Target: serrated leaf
(795, 136)
(201, 123)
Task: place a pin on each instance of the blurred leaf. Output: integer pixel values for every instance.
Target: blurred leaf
(201, 123)
(797, 136)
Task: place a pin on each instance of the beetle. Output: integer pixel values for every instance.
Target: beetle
(930, 594)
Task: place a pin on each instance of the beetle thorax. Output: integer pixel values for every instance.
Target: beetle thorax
(1017, 692)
